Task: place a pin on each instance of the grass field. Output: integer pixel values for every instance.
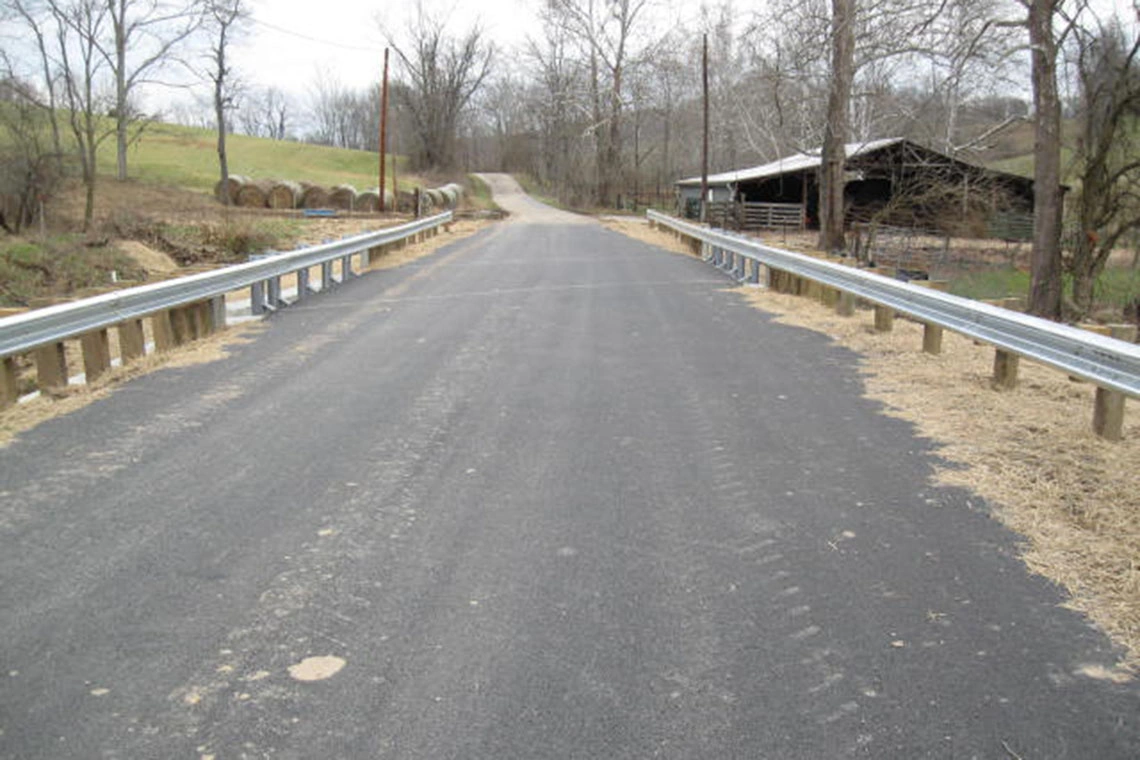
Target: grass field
(1116, 287)
(187, 157)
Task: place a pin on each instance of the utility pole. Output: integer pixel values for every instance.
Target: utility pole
(384, 133)
(705, 135)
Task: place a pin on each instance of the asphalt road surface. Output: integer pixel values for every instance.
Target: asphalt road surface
(547, 493)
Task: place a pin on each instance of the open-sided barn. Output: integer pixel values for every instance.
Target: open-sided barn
(895, 181)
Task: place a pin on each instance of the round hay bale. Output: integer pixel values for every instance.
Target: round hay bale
(229, 187)
(254, 194)
(285, 194)
(368, 201)
(451, 197)
(406, 202)
(437, 199)
(314, 196)
(343, 197)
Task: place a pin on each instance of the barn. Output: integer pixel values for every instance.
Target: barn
(894, 181)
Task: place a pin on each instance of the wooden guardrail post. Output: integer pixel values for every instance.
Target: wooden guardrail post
(846, 305)
(1005, 369)
(162, 324)
(132, 340)
(9, 382)
(931, 338)
(1108, 407)
(1108, 414)
(216, 308)
(51, 366)
(96, 354)
(180, 326)
(884, 318)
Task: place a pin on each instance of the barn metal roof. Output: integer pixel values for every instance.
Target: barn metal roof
(794, 163)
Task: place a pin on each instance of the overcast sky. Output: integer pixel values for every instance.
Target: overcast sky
(290, 41)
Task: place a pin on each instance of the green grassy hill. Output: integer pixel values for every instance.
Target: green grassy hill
(187, 157)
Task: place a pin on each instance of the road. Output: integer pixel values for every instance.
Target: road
(547, 493)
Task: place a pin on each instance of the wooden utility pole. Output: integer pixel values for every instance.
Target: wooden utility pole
(705, 135)
(384, 133)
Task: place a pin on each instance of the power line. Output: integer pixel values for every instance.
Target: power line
(319, 41)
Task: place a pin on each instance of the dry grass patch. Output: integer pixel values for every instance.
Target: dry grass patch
(1029, 452)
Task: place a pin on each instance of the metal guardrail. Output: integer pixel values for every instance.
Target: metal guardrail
(1108, 363)
(23, 332)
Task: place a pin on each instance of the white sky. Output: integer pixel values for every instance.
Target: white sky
(290, 41)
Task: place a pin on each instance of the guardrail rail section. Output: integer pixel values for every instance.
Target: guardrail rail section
(179, 310)
(1112, 365)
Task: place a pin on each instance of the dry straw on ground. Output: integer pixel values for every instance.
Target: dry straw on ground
(1029, 452)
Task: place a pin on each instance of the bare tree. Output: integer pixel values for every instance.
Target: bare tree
(77, 26)
(265, 113)
(606, 31)
(1108, 203)
(29, 167)
(144, 35)
(442, 74)
(836, 126)
(225, 18)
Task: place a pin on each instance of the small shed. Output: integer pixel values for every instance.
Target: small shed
(894, 180)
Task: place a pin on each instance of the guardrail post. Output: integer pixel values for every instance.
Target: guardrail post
(132, 340)
(51, 366)
(1005, 369)
(302, 284)
(203, 314)
(345, 268)
(217, 308)
(754, 278)
(274, 292)
(1108, 414)
(96, 354)
(257, 298)
(884, 318)
(181, 326)
(9, 382)
(846, 305)
(163, 326)
(931, 338)
(741, 263)
(327, 281)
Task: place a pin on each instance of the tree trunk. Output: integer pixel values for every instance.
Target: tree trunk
(118, 15)
(835, 130)
(1045, 278)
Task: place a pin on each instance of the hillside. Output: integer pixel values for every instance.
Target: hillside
(186, 157)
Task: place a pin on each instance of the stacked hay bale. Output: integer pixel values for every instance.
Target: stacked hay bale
(254, 194)
(369, 200)
(226, 191)
(285, 195)
(343, 197)
(314, 196)
(406, 202)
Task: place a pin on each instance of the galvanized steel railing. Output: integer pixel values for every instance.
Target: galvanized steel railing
(24, 332)
(1112, 365)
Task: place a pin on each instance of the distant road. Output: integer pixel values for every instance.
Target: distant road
(547, 493)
